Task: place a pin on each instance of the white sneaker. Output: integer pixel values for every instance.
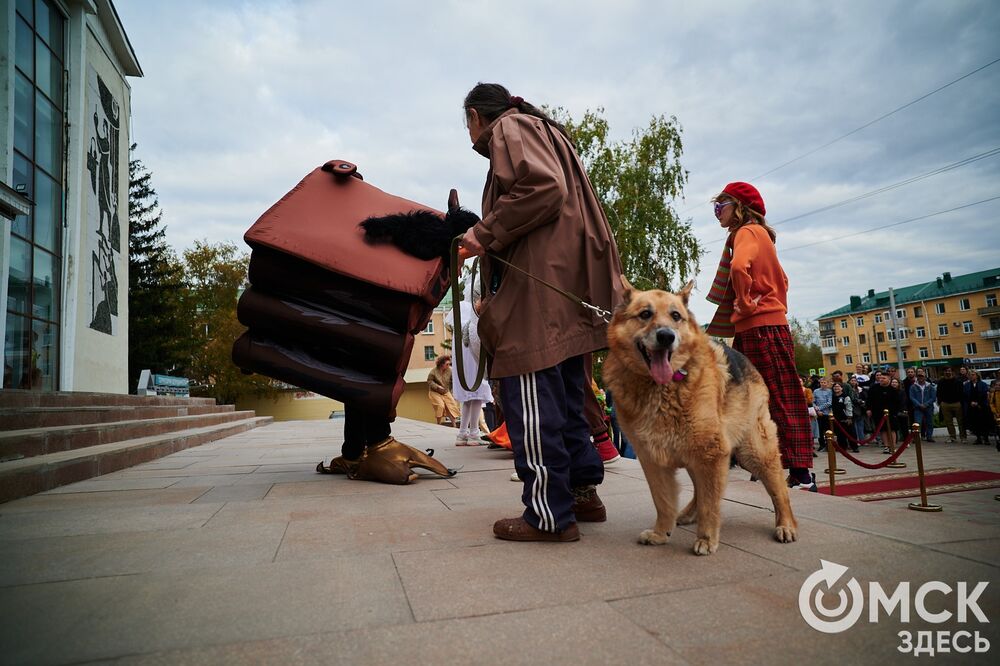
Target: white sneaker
(515, 477)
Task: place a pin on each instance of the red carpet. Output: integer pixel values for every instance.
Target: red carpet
(907, 484)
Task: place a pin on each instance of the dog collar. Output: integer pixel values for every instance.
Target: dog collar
(679, 375)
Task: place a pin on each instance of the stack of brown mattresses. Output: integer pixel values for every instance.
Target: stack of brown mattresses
(327, 311)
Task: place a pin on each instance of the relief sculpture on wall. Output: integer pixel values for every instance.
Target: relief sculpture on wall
(103, 225)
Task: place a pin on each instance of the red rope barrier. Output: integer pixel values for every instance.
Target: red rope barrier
(871, 439)
(884, 463)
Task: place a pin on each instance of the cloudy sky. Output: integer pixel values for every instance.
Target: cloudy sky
(241, 99)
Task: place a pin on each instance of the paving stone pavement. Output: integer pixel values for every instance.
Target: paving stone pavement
(238, 552)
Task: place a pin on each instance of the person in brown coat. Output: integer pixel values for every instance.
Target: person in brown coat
(540, 214)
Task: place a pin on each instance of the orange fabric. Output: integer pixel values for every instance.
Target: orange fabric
(500, 437)
(757, 275)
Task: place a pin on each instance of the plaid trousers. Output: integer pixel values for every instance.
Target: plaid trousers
(770, 349)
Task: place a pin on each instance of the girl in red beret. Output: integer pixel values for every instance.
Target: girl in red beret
(751, 289)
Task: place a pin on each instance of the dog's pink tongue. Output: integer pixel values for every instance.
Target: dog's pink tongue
(659, 367)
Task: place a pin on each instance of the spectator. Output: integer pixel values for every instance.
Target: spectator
(902, 420)
(994, 399)
(911, 378)
(859, 373)
(883, 397)
(823, 402)
(540, 213)
(811, 409)
(439, 392)
(949, 397)
(860, 406)
(975, 400)
(923, 395)
(843, 413)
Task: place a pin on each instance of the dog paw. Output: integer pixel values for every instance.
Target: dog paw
(652, 538)
(785, 534)
(705, 547)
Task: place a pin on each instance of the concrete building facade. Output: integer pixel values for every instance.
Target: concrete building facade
(949, 321)
(64, 153)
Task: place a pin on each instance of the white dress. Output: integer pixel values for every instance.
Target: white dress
(467, 340)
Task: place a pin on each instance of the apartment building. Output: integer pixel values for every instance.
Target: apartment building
(949, 321)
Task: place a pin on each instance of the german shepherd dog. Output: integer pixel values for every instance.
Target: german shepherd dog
(684, 400)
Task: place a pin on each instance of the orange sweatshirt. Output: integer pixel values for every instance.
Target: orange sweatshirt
(760, 284)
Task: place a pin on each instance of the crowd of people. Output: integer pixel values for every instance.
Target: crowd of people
(959, 398)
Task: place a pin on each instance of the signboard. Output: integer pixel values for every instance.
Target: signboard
(822, 372)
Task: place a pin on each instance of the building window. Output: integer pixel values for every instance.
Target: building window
(31, 350)
(903, 334)
(866, 357)
(970, 348)
(942, 329)
(846, 340)
(862, 338)
(429, 353)
(996, 346)
(883, 357)
(860, 321)
(918, 311)
(901, 313)
(891, 333)
(921, 332)
(848, 359)
(429, 329)
(904, 354)
(991, 300)
(939, 308)
(964, 304)
(879, 336)
(923, 352)
(945, 350)
(833, 359)
(878, 319)
(966, 327)
(843, 323)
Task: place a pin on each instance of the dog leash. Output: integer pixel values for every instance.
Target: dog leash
(605, 315)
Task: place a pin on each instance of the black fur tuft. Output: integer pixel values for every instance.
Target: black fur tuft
(420, 233)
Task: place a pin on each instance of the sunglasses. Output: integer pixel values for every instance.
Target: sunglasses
(719, 205)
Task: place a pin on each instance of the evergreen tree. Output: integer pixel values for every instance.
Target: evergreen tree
(158, 338)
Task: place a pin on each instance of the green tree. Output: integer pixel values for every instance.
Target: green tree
(214, 277)
(158, 338)
(805, 336)
(637, 181)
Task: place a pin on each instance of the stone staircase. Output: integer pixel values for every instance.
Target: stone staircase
(51, 439)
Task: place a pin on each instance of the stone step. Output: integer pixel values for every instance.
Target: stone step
(27, 476)
(45, 417)
(28, 443)
(11, 398)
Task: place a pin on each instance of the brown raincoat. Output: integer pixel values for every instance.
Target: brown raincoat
(540, 213)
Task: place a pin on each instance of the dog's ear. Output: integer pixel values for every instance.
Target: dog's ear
(685, 292)
(627, 294)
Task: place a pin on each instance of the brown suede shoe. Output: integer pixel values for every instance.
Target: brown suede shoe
(517, 529)
(587, 506)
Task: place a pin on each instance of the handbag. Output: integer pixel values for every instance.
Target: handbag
(812, 412)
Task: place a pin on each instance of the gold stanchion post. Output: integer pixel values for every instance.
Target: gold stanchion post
(831, 455)
(923, 505)
(888, 428)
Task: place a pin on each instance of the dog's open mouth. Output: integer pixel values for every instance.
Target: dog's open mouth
(658, 361)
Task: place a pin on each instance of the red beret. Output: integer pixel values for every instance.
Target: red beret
(746, 194)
